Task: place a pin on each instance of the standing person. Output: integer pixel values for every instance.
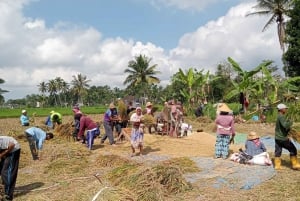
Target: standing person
(225, 130)
(137, 135)
(9, 165)
(173, 116)
(282, 128)
(108, 122)
(36, 138)
(24, 118)
(86, 123)
(56, 118)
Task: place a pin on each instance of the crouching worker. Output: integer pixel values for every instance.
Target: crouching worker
(86, 123)
(36, 138)
(9, 165)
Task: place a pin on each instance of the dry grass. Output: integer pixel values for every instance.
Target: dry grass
(69, 171)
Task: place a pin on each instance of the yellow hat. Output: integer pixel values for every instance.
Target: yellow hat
(148, 104)
(52, 112)
(222, 107)
(252, 135)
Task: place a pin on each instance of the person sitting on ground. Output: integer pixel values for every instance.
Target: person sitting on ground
(56, 118)
(10, 155)
(24, 118)
(137, 135)
(256, 148)
(36, 137)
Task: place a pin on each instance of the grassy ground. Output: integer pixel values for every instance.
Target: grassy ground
(69, 171)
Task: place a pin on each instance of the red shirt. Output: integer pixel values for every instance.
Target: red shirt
(86, 123)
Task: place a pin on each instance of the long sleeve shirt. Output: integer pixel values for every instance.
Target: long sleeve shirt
(38, 135)
(86, 123)
(225, 125)
(282, 127)
(24, 119)
(255, 147)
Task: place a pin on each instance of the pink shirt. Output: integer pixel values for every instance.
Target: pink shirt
(225, 124)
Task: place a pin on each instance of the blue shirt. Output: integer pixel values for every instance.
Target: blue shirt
(253, 149)
(24, 119)
(38, 135)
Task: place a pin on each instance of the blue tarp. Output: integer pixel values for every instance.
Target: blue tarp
(269, 142)
(220, 173)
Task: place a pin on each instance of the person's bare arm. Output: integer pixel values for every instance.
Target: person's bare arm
(11, 146)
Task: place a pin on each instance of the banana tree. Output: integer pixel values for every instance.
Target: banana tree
(246, 83)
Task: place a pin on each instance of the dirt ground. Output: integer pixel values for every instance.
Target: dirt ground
(44, 180)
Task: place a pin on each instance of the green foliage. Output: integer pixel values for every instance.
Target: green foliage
(291, 57)
(8, 113)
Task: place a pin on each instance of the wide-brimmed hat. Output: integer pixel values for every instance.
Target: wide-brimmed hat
(222, 107)
(281, 106)
(148, 104)
(111, 106)
(24, 111)
(252, 135)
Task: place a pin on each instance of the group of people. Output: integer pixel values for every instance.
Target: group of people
(255, 150)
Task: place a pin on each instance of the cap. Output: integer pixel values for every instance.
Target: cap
(281, 106)
(24, 111)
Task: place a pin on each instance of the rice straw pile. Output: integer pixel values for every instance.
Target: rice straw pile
(295, 135)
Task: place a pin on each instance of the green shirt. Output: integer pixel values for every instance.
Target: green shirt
(282, 127)
(58, 119)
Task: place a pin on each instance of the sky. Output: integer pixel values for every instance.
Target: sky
(44, 39)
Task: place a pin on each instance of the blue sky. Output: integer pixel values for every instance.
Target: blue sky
(44, 39)
(136, 19)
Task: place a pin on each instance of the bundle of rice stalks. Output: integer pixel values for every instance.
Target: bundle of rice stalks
(64, 130)
(154, 183)
(111, 161)
(295, 135)
(149, 120)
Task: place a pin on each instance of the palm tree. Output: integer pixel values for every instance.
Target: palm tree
(59, 82)
(2, 91)
(277, 9)
(52, 89)
(80, 86)
(43, 89)
(64, 90)
(141, 74)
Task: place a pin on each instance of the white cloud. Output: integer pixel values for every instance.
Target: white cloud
(31, 53)
(232, 35)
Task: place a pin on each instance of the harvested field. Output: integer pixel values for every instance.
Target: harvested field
(171, 169)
